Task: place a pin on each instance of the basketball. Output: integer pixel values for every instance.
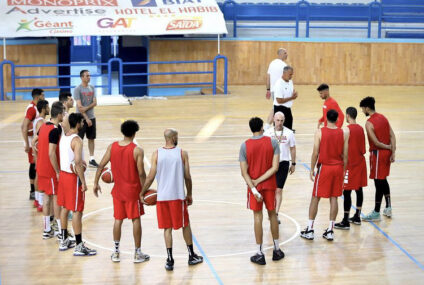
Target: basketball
(107, 176)
(150, 197)
(74, 170)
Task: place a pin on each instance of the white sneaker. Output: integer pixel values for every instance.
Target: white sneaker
(82, 250)
(140, 257)
(307, 234)
(66, 244)
(115, 257)
(328, 235)
(387, 212)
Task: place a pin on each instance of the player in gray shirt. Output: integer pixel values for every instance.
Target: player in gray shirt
(85, 96)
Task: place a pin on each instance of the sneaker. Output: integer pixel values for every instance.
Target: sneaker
(307, 234)
(277, 254)
(140, 257)
(343, 225)
(66, 244)
(371, 217)
(328, 235)
(82, 250)
(48, 235)
(115, 257)
(387, 212)
(355, 220)
(71, 237)
(93, 163)
(32, 195)
(195, 259)
(169, 265)
(258, 259)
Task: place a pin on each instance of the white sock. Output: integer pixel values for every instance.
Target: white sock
(59, 226)
(276, 244)
(310, 225)
(331, 226)
(40, 199)
(260, 249)
(46, 220)
(91, 157)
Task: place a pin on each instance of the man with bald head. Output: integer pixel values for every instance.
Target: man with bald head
(287, 143)
(171, 168)
(275, 71)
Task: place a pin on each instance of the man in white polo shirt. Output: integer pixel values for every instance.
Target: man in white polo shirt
(287, 143)
(284, 94)
(275, 71)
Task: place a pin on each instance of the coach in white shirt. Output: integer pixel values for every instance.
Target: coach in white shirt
(287, 143)
(275, 71)
(284, 94)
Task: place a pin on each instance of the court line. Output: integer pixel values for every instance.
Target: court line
(384, 233)
(215, 274)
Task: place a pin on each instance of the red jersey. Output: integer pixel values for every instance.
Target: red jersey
(127, 185)
(381, 130)
(31, 113)
(48, 133)
(331, 146)
(259, 154)
(329, 104)
(356, 145)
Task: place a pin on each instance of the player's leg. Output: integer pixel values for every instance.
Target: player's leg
(288, 121)
(139, 256)
(259, 257)
(308, 233)
(32, 174)
(80, 248)
(117, 226)
(379, 193)
(91, 136)
(66, 242)
(356, 219)
(167, 234)
(56, 210)
(386, 192)
(193, 258)
(281, 176)
(347, 204)
(277, 252)
(329, 233)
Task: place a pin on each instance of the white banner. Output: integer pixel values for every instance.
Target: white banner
(65, 18)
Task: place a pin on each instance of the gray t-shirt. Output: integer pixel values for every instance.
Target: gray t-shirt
(243, 155)
(86, 95)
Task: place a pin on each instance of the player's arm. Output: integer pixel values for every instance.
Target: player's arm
(139, 159)
(77, 147)
(187, 179)
(35, 139)
(92, 105)
(393, 144)
(54, 137)
(293, 156)
(243, 167)
(105, 160)
(371, 135)
(65, 124)
(24, 130)
(315, 153)
(151, 176)
(340, 118)
(346, 134)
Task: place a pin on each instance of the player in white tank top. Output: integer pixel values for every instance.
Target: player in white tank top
(170, 174)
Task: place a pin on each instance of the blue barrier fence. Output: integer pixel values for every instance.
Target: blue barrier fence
(313, 14)
(121, 64)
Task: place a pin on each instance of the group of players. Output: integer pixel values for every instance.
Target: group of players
(338, 164)
(58, 182)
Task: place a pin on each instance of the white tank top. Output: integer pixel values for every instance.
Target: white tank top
(170, 174)
(66, 153)
(34, 124)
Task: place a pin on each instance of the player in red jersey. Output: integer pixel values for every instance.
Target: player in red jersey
(48, 166)
(27, 133)
(126, 159)
(329, 104)
(330, 150)
(356, 173)
(382, 141)
(259, 160)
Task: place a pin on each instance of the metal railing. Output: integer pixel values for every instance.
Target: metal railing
(121, 74)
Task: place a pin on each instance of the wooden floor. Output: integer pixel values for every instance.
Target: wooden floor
(389, 252)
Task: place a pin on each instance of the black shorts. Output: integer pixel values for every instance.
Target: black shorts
(283, 171)
(90, 132)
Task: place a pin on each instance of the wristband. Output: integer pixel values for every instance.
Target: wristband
(293, 163)
(255, 192)
(268, 89)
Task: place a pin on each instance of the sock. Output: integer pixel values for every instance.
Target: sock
(47, 227)
(388, 203)
(91, 157)
(386, 192)
(116, 245)
(310, 225)
(40, 199)
(276, 244)
(190, 249)
(331, 226)
(32, 188)
(78, 238)
(260, 249)
(59, 226)
(169, 251)
(358, 212)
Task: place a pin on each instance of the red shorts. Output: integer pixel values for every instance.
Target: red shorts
(127, 209)
(70, 195)
(172, 214)
(328, 181)
(30, 156)
(48, 185)
(356, 176)
(268, 198)
(380, 163)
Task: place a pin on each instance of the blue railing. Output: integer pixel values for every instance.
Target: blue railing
(310, 13)
(121, 64)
